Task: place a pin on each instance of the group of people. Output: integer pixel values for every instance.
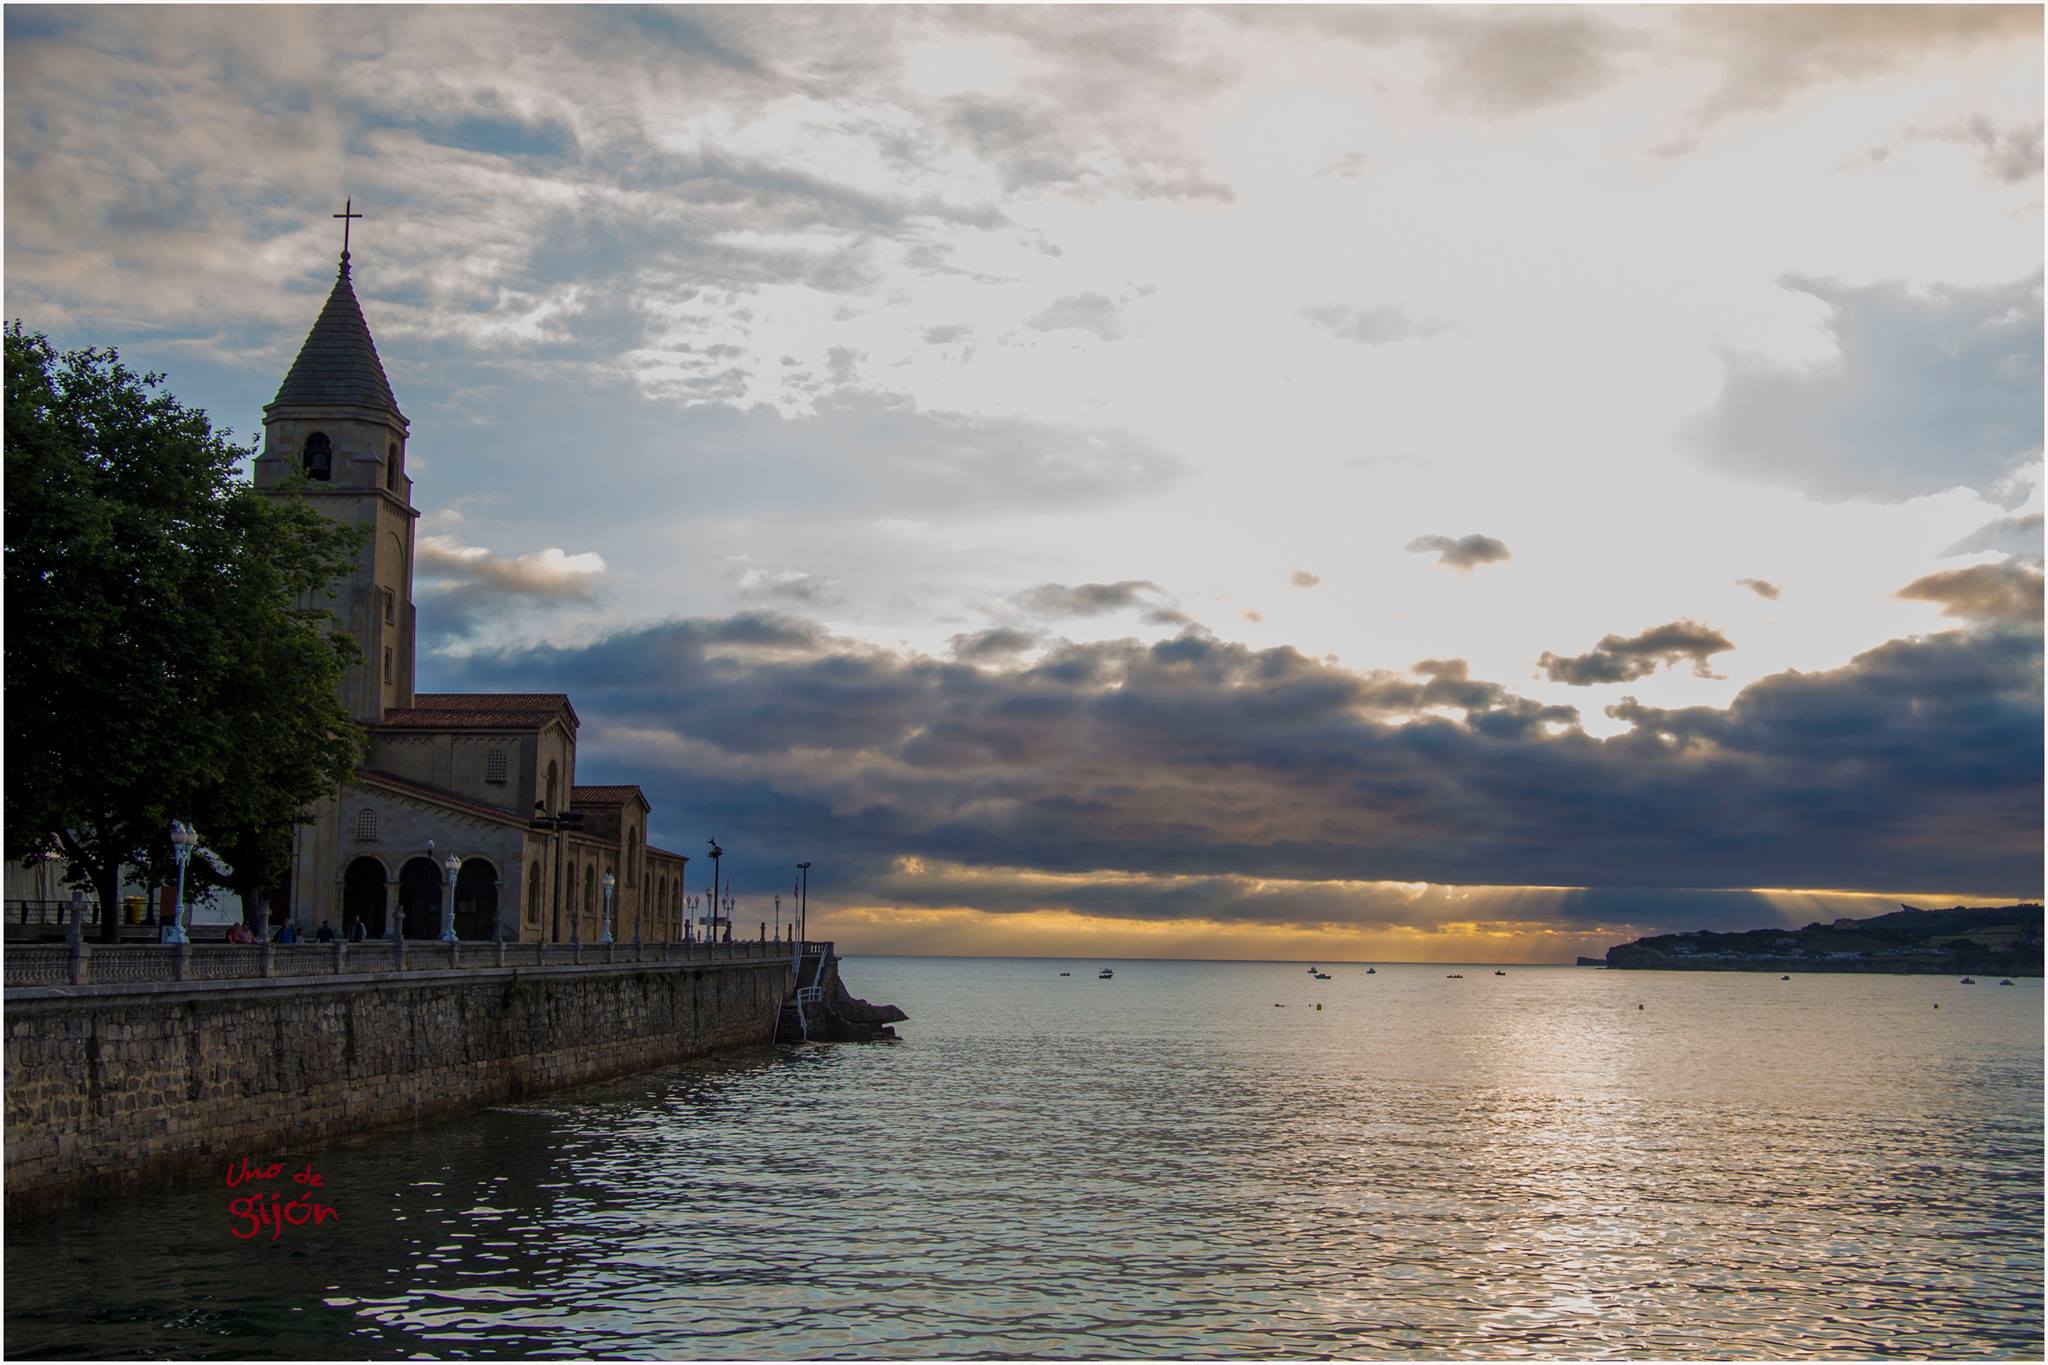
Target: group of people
(287, 932)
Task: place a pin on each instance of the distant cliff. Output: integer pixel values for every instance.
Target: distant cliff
(2002, 940)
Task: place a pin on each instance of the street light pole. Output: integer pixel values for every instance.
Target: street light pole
(711, 901)
(803, 902)
(454, 866)
(609, 882)
(183, 836)
(683, 896)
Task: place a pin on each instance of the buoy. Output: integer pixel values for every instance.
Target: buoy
(1319, 1005)
(1937, 1004)
(1638, 1006)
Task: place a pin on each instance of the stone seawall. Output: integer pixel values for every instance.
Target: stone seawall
(110, 1087)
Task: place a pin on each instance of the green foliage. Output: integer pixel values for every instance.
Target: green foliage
(164, 656)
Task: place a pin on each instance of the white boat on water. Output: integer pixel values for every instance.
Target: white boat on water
(1104, 975)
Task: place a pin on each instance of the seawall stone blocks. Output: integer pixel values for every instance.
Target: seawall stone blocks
(109, 1090)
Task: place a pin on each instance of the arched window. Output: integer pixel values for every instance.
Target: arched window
(494, 766)
(533, 892)
(319, 457)
(391, 468)
(366, 826)
(551, 788)
(590, 890)
(632, 856)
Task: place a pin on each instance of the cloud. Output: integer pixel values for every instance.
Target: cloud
(1929, 390)
(2010, 156)
(1619, 659)
(1374, 326)
(1096, 599)
(2019, 537)
(552, 572)
(2007, 594)
(1000, 642)
(1463, 553)
(791, 585)
(1763, 588)
(1917, 764)
(1095, 313)
(1302, 578)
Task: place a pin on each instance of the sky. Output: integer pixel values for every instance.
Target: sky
(1268, 482)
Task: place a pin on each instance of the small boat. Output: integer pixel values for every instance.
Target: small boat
(1104, 975)
(1322, 976)
(1784, 978)
(1311, 971)
(1455, 976)
(2006, 982)
(1500, 973)
(1372, 971)
(1066, 973)
(1969, 981)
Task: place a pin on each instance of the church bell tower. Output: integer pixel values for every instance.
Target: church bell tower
(335, 423)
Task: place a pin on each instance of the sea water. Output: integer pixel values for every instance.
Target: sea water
(1187, 1160)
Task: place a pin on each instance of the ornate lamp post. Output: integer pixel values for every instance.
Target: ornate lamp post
(711, 901)
(680, 897)
(609, 882)
(803, 902)
(183, 837)
(454, 866)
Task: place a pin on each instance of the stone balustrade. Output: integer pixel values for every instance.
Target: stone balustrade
(80, 963)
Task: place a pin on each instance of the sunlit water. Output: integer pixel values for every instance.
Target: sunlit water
(1166, 1164)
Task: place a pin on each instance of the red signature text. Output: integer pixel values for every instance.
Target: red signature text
(251, 1215)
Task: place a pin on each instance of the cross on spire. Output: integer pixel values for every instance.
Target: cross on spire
(346, 214)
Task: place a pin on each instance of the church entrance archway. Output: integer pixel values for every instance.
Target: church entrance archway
(419, 895)
(476, 900)
(363, 898)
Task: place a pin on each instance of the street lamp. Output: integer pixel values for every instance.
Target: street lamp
(454, 866)
(803, 902)
(609, 882)
(183, 837)
(778, 917)
(711, 901)
(683, 893)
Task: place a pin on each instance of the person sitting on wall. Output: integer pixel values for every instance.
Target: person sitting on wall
(325, 934)
(239, 933)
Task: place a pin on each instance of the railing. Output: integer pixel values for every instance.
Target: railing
(83, 963)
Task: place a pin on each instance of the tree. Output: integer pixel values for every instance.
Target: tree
(164, 653)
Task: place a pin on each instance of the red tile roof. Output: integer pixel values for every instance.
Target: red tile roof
(607, 796)
(482, 711)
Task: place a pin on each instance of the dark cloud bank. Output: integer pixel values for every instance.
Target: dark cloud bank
(1917, 765)
(1624, 659)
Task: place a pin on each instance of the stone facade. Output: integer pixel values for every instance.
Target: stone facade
(108, 1089)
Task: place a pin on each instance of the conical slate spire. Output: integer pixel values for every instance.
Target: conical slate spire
(338, 363)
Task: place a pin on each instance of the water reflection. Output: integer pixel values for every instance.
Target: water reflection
(1167, 1165)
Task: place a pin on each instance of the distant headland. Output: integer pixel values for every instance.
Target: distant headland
(2001, 940)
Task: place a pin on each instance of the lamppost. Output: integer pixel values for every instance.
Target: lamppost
(454, 866)
(570, 820)
(803, 902)
(680, 897)
(609, 882)
(727, 907)
(711, 901)
(689, 913)
(183, 837)
(778, 917)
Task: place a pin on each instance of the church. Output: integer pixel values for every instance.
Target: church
(474, 785)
